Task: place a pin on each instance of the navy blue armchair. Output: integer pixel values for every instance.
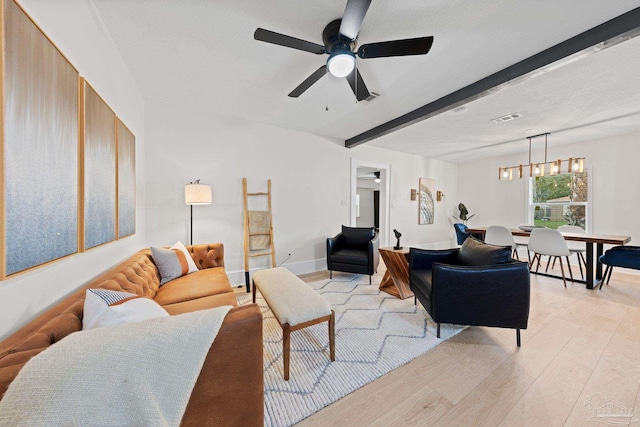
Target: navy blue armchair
(619, 256)
(477, 285)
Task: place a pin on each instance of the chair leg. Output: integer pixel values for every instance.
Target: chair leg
(438, 331)
(415, 300)
(562, 270)
(580, 264)
(569, 268)
(604, 276)
(332, 336)
(286, 348)
(518, 337)
(369, 279)
(529, 257)
(254, 293)
(609, 277)
(515, 252)
(549, 262)
(534, 260)
(330, 274)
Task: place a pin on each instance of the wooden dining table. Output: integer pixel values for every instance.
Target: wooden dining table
(591, 279)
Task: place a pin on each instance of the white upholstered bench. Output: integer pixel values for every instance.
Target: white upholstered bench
(295, 305)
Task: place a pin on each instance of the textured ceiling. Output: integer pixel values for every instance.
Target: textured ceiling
(202, 55)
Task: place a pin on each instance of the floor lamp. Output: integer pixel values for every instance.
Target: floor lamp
(196, 194)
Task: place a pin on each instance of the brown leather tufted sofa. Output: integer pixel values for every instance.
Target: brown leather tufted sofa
(229, 389)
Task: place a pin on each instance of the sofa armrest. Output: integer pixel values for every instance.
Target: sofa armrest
(492, 295)
(230, 388)
(423, 259)
(374, 254)
(207, 255)
(333, 243)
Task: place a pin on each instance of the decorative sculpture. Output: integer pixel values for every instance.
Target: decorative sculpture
(398, 234)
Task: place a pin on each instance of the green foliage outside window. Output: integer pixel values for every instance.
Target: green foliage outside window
(560, 199)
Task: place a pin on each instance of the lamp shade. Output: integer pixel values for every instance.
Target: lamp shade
(197, 194)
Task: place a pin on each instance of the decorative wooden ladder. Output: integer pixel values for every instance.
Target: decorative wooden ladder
(248, 233)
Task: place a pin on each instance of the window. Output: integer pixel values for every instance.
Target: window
(559, 200)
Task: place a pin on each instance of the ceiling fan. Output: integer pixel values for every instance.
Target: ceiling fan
(339, 39)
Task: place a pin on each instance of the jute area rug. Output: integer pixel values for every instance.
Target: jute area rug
(375, 333)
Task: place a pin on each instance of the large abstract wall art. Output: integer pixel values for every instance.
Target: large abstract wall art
(99, 170)
(126, 181)
(67, 162)
(40, 147)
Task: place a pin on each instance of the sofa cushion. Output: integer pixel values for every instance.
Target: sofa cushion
(103, 307)
(203, 283)
(350, 256)
(204, 303)
(475, 252)
(357, 236)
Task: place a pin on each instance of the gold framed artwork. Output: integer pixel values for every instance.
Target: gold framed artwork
(126, 180)
(66, 161)
(40, 146)
(99, 170)
(426, 205)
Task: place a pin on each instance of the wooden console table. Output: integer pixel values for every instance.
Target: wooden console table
(396, 279)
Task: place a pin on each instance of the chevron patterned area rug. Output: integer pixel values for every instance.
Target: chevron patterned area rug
(375, 333)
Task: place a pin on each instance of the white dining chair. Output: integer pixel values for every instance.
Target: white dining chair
(549, 242)
(501, 236)
(577, 248)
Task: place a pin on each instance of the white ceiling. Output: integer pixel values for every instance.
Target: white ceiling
(202, 55)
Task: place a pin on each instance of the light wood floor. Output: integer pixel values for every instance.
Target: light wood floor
(579, 344)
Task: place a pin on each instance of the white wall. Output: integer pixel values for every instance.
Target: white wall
(613, 165)
(75, 27)
(311, 185)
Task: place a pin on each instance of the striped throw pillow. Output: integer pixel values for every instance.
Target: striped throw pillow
(103, 307)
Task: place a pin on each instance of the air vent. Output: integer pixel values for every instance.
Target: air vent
(507, 118)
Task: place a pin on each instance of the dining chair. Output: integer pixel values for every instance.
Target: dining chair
(461, 232)
(501, 236)
(619, 256)
(577, 248)
(549, 242)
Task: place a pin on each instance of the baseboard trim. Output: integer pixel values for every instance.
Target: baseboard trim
(301, 267)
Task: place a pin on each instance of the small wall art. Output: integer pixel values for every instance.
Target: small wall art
(426, 205)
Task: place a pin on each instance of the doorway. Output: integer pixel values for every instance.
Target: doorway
(370, 197)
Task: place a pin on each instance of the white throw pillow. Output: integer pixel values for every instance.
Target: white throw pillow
(103, 307)
(192, 265)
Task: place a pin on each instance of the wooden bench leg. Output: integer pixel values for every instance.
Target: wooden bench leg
(254, 292)
(286, 348)
(332, 336)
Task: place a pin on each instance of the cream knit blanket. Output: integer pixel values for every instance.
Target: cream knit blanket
(131, 374)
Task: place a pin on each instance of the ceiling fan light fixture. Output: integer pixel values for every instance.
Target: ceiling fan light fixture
(341, 63)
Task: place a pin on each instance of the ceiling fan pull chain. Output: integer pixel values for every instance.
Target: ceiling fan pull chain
(326, 92)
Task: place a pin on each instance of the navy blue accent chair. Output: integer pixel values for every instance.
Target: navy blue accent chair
(619, 256)
(461, 232)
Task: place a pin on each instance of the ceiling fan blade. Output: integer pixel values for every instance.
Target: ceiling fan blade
(360, 90)
(287, 41)
(352, 18)
(309, 82)
(417, 46)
